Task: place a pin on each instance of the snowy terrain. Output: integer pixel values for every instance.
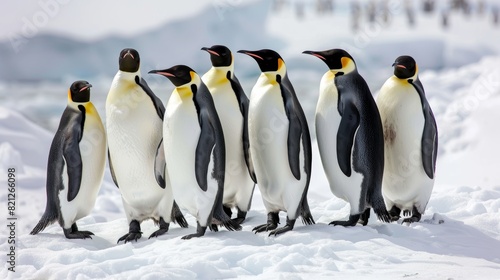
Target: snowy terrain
(458, 237)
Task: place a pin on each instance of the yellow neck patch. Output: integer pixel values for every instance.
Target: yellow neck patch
(184, 91)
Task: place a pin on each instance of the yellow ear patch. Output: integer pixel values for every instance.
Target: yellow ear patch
(345, 62)
(280, 63)
(69, 95)
(192, 74)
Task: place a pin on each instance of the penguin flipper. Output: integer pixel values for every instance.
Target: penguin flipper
(430, 134)
(244, 103)
(204, 149)
(160, 109)
(345, 135)
(294, 126)
(429, 144)
(160, 165)
(112, 171)
(71, 154)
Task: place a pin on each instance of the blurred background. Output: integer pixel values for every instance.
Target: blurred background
(45, 45)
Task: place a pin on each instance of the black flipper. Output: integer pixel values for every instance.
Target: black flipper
(72, 156)
(430, 133)
(160, 109)
(206, 144)
(345, 135)
(112, 171)
(244, 103)
(160, 165)
(294, 126)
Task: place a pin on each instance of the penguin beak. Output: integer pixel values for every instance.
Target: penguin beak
(398, 65)
(161, 72)
(252, 54)
(85, 87)
(210, 51)
(315, 54)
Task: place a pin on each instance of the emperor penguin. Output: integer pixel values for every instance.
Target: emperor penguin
(76, 163)
(134, 116)
(231, 104)
(195, 150)
(280, 144)
(350, 137)
(411, 142)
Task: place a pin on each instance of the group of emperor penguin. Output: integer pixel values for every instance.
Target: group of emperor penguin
(205, 152)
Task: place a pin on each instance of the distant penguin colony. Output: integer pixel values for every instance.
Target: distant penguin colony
(208, 149)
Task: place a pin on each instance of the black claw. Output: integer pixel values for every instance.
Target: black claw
(272, 223)
(288, 227)
(353, 220)
(74, 233)
(200, 231)
(163, 229)
(134, 232)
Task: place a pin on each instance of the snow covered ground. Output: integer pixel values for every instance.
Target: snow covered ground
(458, 238)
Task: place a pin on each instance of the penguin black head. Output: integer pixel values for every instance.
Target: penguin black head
(268, 60)
(79, 91)
(219, 55)
(179, 75)
(336, 59)
(405, 67)
(129, 60)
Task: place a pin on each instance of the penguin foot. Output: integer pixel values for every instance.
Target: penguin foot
(272, 223)
(395, 213)
(241, 217)
(163, 229)
(363, 219)
(353, 220)
(288, 227)
(75, 234)
(200, 231)
(134, 232)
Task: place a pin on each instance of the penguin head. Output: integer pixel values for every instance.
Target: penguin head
(405, 67)
(129, 60)
(268, 60)
(338, 60)
(179, 75)
(79, 92)
(219, 55)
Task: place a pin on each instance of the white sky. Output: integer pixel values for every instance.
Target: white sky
(93, 19)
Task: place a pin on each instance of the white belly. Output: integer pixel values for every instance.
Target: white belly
(134, 133)
(181, 133)
(93, 154)
(405, 183)
(238, 185)
(268, 133)
(327, 124)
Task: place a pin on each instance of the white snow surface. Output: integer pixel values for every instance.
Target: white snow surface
(458, 237)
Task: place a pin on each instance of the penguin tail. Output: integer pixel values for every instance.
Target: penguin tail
(378, 205)
(305, 213)
(178, 217)
(223, 219)
(48, 218)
